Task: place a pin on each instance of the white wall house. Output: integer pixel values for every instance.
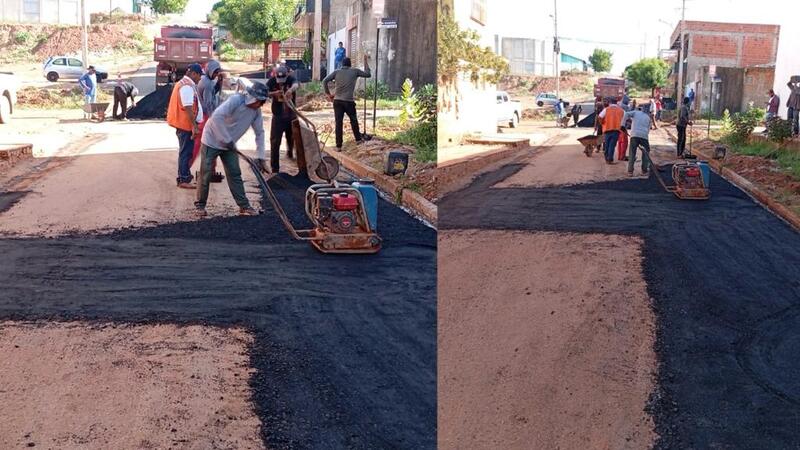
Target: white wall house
(64, 12)
(787, 62)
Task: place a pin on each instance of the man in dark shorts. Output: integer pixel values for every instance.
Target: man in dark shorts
(281, 86)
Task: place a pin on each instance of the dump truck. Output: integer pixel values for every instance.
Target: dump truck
(177, 47)
(609, 87)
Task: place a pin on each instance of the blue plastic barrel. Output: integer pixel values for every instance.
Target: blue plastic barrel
(370, 194)
(706, 171)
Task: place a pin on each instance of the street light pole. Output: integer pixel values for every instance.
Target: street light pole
(680, 57)
(317, 44)
(557, 48)
(84, 36)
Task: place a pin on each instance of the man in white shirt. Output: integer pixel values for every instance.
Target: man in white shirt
(184, 113)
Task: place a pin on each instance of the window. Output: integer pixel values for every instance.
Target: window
(30, 10)
(499, 99)
(60, 62)
(479, 11)
(74, 62)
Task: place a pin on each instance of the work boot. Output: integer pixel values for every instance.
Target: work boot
(249, 211)
(217, 177)
(187, 186)
(200, 212)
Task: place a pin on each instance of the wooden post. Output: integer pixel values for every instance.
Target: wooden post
(317, 44)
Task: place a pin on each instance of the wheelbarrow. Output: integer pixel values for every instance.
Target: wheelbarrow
(590, 142)
(96, 111)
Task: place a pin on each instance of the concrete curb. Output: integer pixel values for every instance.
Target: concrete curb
(415, 202)
(746, 185)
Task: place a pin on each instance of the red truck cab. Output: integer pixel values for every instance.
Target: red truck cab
(178, 47)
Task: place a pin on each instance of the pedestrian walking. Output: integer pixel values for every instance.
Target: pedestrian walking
(576, 113)
(652, 112)
(683, 121)
(343, 100)
(659, 107)
(793, 105)
(338, 56)
(208, 91)
(611, 119)
(640, 137)
(280, 87)
(223, 130)
(123, 91)
(184, 113)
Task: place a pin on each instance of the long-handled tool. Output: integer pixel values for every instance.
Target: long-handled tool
(344, 215)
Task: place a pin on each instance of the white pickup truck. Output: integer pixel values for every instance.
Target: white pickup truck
(8, 95)
(508, 111)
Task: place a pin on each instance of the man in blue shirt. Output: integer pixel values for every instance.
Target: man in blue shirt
(640, 136)
(339, 56)
(88, 83)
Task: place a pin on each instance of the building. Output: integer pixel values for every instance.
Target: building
(304, 23)
(63, 12)
(741, 56)
(570, 63)
(467, 106)
(787, 63)
(408, 51)
(527, 56)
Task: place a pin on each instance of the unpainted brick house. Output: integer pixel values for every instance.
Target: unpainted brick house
(742, 56)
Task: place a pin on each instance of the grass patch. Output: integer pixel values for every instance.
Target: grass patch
(422, 136)
(787, 159)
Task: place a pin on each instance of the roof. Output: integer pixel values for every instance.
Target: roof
(569, 58)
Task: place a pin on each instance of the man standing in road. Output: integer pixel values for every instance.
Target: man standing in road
(343, 100)
(611, 119)
(281, 86)
(640, 136)
(224, 128)
(576, 113)
(88, 83)
(683, 121)
(122, 92)
(339, 55)
(184, 113)
(208, 91)
(793, 105)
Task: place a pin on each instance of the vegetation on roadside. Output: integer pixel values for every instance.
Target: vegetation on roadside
(166, 6)
(648, 73)
(416, 125)
(459, 51)
(256, 21)
(600, 60)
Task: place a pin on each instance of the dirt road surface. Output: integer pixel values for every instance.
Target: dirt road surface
(343, 347)
(722, 275)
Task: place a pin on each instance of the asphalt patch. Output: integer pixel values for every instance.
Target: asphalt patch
(345, 345)
(153, 105)
(9, 199)
(724, 275)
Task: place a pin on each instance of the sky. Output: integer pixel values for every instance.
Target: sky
(632, 22)
(197, 10)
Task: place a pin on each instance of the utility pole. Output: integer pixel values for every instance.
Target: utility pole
(557, 48)
(317, 47)
(679, 97)
(84, 36)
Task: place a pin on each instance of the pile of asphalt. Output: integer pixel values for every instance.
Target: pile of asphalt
(724, 276)
(153, 105)
(345, 345)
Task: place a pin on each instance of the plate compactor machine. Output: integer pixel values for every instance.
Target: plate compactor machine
(344, 215)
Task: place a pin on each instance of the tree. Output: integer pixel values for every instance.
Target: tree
(459, 51)
(166, 6)
(257, 21)
(601, 60)
(648, 73)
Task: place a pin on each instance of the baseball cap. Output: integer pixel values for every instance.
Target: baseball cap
(281, 73)
(196, 68)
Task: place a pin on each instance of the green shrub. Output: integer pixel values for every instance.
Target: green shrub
(778, 130)
(409, 101)
(422, 136)
(426, 103)
(743, 124)
(227, 52)
(312, 87)
(383, 90)
(22, 37)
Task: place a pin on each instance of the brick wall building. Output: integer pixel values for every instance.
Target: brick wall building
(751, 49)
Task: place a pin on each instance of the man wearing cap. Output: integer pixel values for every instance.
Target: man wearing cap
(611, 119)
(88, 83)
(343, 101)
(184, 113)
(208, 91)
(281, 86)
(224, 128)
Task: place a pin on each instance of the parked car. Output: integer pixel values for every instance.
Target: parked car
(508, 111)
(546, 98)
(8, 95)
(57, 67)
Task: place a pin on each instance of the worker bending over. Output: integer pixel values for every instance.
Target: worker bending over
(224, 128)
(640, 137)
(122, 92)
(343, 100)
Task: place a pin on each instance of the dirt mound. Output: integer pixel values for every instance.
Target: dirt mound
(34, 97)
(578, 82)
(101, 37)
(313, 102)
(153, 105)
